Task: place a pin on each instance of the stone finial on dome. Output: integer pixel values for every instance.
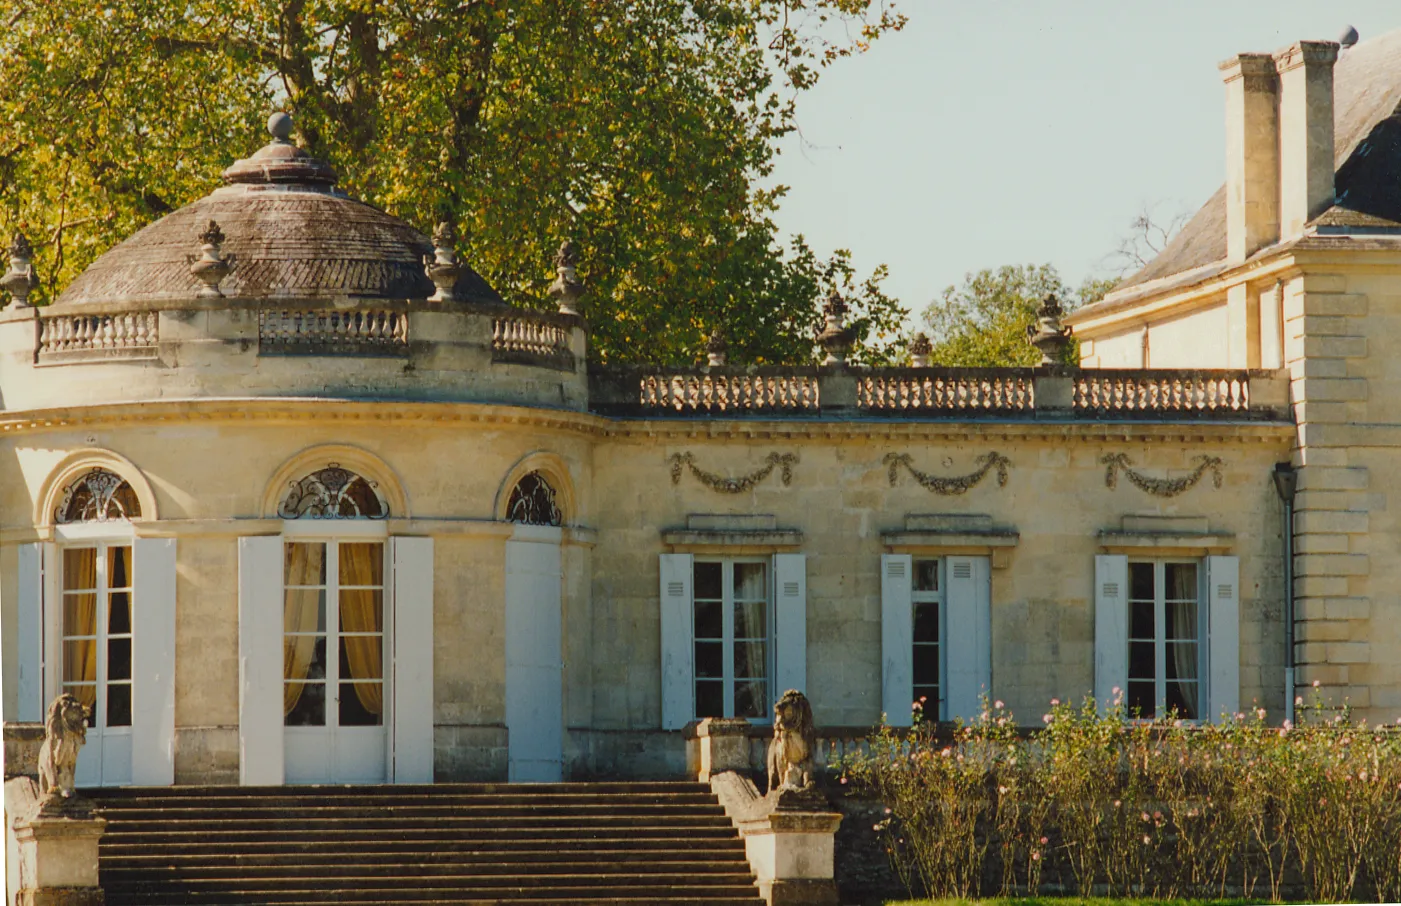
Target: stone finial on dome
(442, 267)
(920, 348)
(717, 348)
(20, 281)
(280, 162)
(567, 288)
(836, 337)
(1047, 334)
(213, 265)
(280, 127)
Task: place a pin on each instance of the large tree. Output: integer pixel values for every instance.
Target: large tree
(984, 321)
(642, 129)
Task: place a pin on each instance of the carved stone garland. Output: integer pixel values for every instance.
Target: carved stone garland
(782, 461)
(950, 486)
(1160, 487)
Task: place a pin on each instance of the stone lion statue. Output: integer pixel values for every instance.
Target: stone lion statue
(794, 741)
(65, 729)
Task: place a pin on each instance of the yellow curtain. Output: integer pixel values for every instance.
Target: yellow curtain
(362, 610)
(80, 619)
(301, 612)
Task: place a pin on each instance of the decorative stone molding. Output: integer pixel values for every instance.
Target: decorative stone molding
(387, 485)
(1160, 487)
(442, 267)
(81, 462)
(567, 289)
(1047, 334)
(20, 280)
(212, 265)
(783, 461)
(836, 337)
(920, 348)
(955, 485)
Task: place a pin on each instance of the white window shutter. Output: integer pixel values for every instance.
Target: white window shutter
(790, 624)
(29, 625)
(967, 646)
(260, 661)
(412, 686)
(678, 669)
(1223, 636)
(897, 638)
(1111, 627)
(153, 662)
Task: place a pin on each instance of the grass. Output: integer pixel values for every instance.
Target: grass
(1070, 901)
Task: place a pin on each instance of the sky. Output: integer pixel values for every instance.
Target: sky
(992, 132)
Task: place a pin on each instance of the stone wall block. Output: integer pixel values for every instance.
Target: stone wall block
(1323, 478)
(1321, 586)
(1330, 522)
(1332, 565)
(1332, 389)
(1312, 500)
(1333, 304)
(1335, 347)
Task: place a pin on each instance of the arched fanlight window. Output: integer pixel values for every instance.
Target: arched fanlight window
(533, 502)
(333, 493)
(98, 495)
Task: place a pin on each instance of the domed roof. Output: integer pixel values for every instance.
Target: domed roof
(292, 236)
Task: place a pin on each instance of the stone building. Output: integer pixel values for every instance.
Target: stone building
(287, 493)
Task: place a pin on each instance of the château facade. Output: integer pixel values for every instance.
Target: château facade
(289, 495)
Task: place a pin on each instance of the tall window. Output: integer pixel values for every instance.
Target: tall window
(95, 631)
(927, 604)
(732, 613)
(333, 634)
(1165, 631)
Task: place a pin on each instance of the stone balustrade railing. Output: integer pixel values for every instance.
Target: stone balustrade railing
(531, 338)
(126, 335)
(1157, 393)
(985, 390)
(366, 332)
(1036, 393)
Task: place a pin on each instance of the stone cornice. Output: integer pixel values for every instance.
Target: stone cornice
(288, 410)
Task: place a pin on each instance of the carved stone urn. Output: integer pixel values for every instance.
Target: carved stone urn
(1047, 334)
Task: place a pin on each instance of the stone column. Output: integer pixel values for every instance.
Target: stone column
(791, 846)
(58, 854)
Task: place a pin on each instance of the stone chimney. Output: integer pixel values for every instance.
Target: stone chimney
(1252, 154)
(1305, 133)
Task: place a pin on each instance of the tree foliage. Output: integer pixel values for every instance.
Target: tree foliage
(642, 130)
(984, 321)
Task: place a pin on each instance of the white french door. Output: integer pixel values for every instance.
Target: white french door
(335, 681)
(94, 635)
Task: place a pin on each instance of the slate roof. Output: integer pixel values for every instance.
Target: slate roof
(293, 235)
(1367, 148)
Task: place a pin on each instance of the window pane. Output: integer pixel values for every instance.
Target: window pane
(749, 582)
(1141, 581)
(80, 661)
(926, 621)
(1181, 581)
(749, 620)
(80, 614)
(1141, 620)
(361, 705)
(303, 657)
(119, 613)
(362, 610)
(308, 704)
(118, 660)
(708, 581)
(118, 572)
(926, 666)
(304, 610)
(1181, 660)
(361, 563)
(751, 699)
(304, 563)
(119, 705)
(710, 699)
(1142, 660)
(710, 620)
(79, 569)
(1183, 696)
(1181, 619)
(710, 659)
(926, 575)
(751, 660)
(1140, 700)
(361, 657)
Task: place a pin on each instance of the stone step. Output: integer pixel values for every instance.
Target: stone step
(438, 897)
(373, 797)
(417, 812)
(270, 867)
(193, 846)
(410, 890)
(629, 788)
(260, 880)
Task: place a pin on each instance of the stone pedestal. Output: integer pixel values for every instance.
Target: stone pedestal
(58, 854)
(791, 846)
(722, 745)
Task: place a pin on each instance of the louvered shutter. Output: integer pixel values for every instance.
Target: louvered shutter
(412, 687)
(897, 638)
(967, 644)
(1111, 627)
(260, 661)
(153, 662)
(1223, 636)
(791, 624)
(678, 671)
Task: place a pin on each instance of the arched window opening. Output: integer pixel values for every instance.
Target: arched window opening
(533, 502)
(333, 493)
(98, 495)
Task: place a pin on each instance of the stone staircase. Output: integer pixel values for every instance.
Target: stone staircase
(536, 844)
